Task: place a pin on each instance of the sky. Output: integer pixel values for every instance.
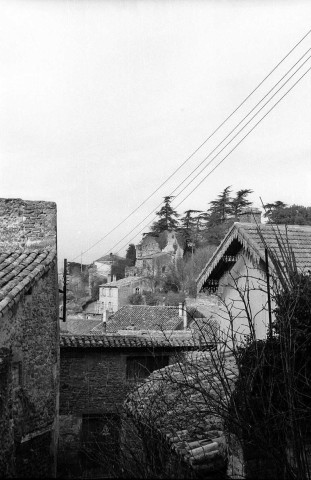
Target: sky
(101, 101)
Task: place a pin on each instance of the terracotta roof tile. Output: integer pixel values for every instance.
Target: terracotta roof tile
(121, 282)
(79, 326)
(126, 341)
(18, 271)
(145, 317)
(184, 403)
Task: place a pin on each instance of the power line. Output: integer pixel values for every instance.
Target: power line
(244, 118)
(247, 123)
(219, 163)
(245, 136)
(199, 147)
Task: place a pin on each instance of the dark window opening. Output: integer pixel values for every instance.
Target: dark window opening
(141, 366)
(100, 444)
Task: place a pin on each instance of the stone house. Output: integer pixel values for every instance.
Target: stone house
(155, 253)
(104, 264)
(29, 339)
(115, 294)
(236, 273)
(96, 373)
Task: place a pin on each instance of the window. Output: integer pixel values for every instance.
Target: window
(137, 290)
(142, 366)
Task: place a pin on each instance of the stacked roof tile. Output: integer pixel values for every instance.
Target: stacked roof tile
(145, 317)
(18, 271)
(186, 404)
(126, 341)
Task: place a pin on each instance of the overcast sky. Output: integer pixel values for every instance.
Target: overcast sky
(102, 100)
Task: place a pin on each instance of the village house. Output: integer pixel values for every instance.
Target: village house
(155, 253)
(29, 339)
(97, 371)
(103, 265)
(237, 273)
(114, 295)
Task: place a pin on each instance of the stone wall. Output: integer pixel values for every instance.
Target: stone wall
(27, 224)
(31, 332)
(6, 431)
(92, 382)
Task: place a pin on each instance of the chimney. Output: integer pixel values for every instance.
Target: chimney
(114, 278)
(250, 215)
(108, 278)
(104, 320)
(180, 310)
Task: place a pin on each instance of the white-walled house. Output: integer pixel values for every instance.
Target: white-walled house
(114, 295)
(104, 264)
(237, 274)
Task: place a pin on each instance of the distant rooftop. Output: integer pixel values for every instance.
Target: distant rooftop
(121, 282)
(111, 257)
(145, 317)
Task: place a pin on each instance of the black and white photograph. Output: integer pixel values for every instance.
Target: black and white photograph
(155, 239)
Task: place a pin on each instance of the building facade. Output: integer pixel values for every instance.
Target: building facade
(114, 295)
(97, 371)
(29, 338)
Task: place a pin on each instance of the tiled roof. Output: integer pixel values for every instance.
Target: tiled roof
(251, 237)
(144, 317)
(18, 271)
(79, 326)
(126, 341)
(121, 282)
(185, 403)
(109, 258)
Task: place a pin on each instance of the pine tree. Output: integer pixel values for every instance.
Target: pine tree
(221, 207)
(189, 229)
(167, 217)
(240, 201)
(131, 254)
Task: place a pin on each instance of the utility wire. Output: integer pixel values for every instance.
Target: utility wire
(244, 118)
(220, 151)
(199, 147)
(219, 163)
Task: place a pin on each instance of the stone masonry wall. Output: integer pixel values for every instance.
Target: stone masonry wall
(30, 330)
(6, 432)
(92, 381)
(27, 223)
